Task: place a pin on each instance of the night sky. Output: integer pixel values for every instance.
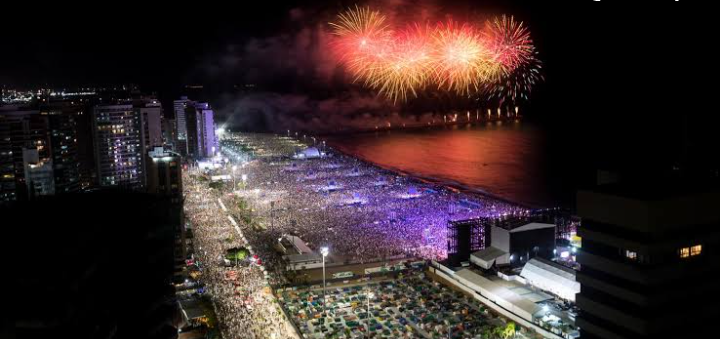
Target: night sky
(620, 80)
(629, 86)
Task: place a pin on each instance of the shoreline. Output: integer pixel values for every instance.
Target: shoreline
(446, 183)
(417, 126)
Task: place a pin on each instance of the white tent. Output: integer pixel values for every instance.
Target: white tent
(486, 258)
(309, 153)
(552, 278)
(498, 294)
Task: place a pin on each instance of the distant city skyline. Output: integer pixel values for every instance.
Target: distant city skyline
(56, 142)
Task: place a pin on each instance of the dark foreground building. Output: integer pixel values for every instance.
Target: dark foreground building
(649, 260)
(92, 265)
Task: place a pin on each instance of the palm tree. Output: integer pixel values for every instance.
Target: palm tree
(509, 331)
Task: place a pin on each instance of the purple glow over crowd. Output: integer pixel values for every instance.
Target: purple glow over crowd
(362, 212)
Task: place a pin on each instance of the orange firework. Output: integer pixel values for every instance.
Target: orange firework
(363, 35)
(461, 58)
(405, 67)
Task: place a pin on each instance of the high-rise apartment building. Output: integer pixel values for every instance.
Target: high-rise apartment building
(117, 136)
(150, 112)
(21, 130)
(179, 106)
(649, 259)
(201, 141)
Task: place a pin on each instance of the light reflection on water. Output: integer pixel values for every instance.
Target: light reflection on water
(508, 159)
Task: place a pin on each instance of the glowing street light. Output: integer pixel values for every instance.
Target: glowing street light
(324, 251)
(233, 173)
(369, 296)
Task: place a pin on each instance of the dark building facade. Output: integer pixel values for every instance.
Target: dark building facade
(648, 261)
(201, 140)
(39, 152)
(164, 174)
(151, 114)
(7, 166)
(113, 261)
(179, 108)
(164, 178)
(63, 130)
(465, 237)
(513, 241)
(22, 130)
(169, 134)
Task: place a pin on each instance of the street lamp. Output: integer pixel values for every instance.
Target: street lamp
(233, 173)
(369, 296)
(324, 251)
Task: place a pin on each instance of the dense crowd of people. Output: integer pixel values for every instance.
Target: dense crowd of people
(363, 213)
(240, 292)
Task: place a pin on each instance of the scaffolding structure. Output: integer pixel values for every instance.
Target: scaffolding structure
(465, 237)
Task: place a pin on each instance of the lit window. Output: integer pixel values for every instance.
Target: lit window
(691, 251)
(631, 255)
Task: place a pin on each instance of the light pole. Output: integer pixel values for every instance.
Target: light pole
(272, 215)
(369, 296)
(324, 251)
(233, 173)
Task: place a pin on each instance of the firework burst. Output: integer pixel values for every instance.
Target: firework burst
(516, 86)
(404, 67)
(494, 60)
(462, 61)
(510, 41)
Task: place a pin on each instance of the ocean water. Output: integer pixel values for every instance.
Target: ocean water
(510, 159)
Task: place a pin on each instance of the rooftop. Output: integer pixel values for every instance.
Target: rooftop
(659, 187)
